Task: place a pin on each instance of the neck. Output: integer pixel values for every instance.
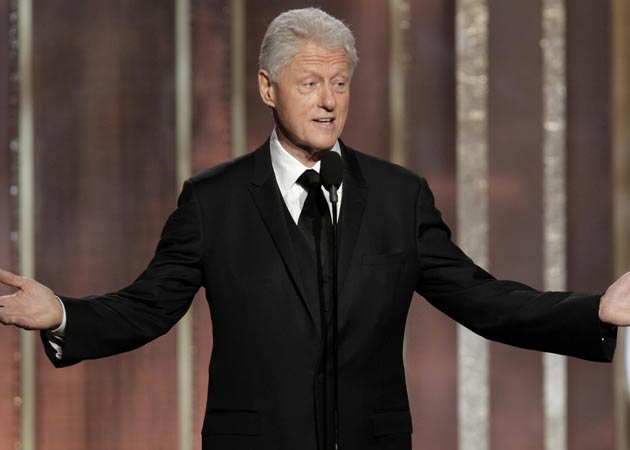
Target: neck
(305, 155)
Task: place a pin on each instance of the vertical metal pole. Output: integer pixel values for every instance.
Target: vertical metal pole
(26, 236)
(620, 114)
(183, 125)
(238, 133)
(398, 23)
(554, 207)
(472, 210)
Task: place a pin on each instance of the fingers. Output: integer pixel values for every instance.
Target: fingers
(6, 314)
(11, 279)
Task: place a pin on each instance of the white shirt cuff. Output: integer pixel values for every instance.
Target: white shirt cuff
(60, 331)
(55, 337)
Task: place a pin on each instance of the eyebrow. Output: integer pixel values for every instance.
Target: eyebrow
(309, 72)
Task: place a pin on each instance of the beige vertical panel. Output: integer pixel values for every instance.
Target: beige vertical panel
(183, 130)
(238, 133)
(399, 22)
(472, 209)
(620, 20)
(26, 214)
(554, 207)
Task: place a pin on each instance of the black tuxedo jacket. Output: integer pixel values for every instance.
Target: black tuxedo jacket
(229, 234)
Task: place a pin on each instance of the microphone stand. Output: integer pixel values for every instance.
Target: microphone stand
(335, 302)
(332, 175)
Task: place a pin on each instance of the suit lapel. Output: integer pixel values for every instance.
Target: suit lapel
(266, 196)
(352, 206)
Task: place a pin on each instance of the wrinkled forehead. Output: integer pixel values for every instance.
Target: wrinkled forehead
(312, 57)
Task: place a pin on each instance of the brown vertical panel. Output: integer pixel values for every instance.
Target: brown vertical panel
(9, 386)
(589, 208)
(211, 132)
(431, 340)
(211, 90)
(515, 195)
(104, 154)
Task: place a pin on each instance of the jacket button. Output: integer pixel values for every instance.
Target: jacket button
(320, 378)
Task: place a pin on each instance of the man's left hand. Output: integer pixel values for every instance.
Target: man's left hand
(614, 306)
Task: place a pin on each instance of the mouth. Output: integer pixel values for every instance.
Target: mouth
(325, 121)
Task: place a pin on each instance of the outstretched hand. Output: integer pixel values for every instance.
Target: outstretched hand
(33, 306)
(614, 306)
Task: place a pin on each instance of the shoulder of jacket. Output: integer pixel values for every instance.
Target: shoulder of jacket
(379, 170)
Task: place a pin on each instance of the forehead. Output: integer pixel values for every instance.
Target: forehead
(313, 57)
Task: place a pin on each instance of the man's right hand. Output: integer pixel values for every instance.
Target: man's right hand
(33, 306)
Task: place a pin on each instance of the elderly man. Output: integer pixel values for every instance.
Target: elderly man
(255, 232)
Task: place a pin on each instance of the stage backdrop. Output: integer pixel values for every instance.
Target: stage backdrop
(102, 94)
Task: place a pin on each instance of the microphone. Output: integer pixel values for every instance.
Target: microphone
(331, 173)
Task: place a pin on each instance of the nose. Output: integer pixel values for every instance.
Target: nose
(327, 99)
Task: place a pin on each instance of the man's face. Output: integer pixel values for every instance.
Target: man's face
(310, 99)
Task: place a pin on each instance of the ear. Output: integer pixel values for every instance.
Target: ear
(266, 88)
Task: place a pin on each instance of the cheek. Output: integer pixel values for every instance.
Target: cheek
(344, 104)
(343, 113)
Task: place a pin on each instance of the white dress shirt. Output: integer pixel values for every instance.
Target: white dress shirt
(287, 170)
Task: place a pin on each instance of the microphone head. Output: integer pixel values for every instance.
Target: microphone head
(331, 170)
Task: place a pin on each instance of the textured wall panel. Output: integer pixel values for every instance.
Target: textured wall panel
(473, 396)
(515, 195)
(104, 186)
(620, 123)
(430, 340)
(211, 145)
(589, 207)
(553, 45)
(9, 386)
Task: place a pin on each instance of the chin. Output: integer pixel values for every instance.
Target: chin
(323, 145)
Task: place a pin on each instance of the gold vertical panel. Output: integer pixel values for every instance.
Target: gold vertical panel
(472, 209)
(554, 207)
(620, 83)
(399, 22)
(238, 134)
(183, 91)
(183, 130)
(26, 217)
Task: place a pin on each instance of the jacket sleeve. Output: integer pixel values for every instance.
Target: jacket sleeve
(504, 311)
(105, 325)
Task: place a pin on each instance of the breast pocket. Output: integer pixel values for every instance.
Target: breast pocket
(379, 280)
(383, 259)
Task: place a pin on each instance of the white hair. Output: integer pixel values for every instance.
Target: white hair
(289, 31)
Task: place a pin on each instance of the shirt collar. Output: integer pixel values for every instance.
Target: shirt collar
(286, 167)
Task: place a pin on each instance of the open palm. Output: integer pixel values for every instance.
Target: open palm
(32, 306)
